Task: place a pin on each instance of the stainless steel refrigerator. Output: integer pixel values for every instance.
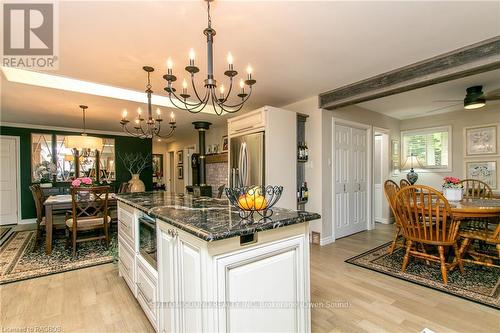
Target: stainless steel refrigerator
(247, 160)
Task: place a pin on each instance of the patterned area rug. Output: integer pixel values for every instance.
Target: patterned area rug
(478, 284)
(19, 262)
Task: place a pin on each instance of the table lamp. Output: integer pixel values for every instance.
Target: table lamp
(411, 161)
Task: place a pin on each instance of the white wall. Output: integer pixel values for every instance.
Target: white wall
(313, 167)
(458, 121)
(319, 167)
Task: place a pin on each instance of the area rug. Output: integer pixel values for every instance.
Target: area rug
(479, 284)
(19, 262)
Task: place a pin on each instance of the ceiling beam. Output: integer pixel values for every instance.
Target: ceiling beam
(469, 60)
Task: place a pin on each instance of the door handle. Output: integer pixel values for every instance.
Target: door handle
(359, 187)
(344, 187)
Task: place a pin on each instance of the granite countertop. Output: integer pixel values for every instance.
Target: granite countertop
(210, 219)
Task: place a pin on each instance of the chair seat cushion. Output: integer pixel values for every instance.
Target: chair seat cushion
(87, 222)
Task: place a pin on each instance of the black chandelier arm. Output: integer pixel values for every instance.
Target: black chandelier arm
(195, 90)
(191, 105)
(213, 94)
(136, 134)
(194, 107)
(165, 136)
(238, 105)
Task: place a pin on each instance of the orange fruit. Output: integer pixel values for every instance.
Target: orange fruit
(260, 202)
(245, 202)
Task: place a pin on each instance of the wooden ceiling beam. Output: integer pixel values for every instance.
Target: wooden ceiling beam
(469, 60)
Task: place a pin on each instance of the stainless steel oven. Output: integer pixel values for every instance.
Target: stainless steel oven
(147, 240)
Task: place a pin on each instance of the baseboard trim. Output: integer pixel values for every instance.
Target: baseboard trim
(326, 240)
(385, 221)
(27, 221)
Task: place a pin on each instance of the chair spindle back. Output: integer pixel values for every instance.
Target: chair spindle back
(476, 189)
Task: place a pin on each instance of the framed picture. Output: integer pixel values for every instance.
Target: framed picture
(157, 165)
(225, 144)
(180, 157)
(485, 171)
(481, 140)
(180, 172)
(395, 158)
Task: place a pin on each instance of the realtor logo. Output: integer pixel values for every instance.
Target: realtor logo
(29, 35)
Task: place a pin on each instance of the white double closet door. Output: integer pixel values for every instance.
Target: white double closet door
(350, 176)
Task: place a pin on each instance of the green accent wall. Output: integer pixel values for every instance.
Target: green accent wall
(123, 144)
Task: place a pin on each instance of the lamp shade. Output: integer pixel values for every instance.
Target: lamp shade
(411, 162)
(84, 142)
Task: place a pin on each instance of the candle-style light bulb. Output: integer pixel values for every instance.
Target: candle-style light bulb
(249, 71)
(229, 58)
(242, 84)
(137, 121)
(124, 114)
(139, 111)
(170, 65)
(158, 113)
(184, 84)
(192, 55)
(172, 117)
(221, 89)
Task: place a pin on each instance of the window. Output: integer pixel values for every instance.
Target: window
(431, 146)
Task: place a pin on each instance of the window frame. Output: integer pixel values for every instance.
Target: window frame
(423, 131)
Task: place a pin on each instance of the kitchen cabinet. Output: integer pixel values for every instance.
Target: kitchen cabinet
(279, 128)
(216, 273)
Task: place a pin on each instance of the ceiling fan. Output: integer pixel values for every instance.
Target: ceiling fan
(475, 98)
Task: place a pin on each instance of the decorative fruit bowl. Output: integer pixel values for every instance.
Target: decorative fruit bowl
(250, 199)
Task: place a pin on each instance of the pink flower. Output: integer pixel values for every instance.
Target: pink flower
(87, 180)
(76, 183)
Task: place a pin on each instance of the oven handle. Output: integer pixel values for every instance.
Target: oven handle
(147, 222)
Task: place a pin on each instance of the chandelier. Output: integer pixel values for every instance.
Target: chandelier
(83, 144)
(150, 127)
(219, 103)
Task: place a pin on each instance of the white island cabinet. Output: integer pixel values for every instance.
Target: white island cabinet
(227, 287)
(215, 273)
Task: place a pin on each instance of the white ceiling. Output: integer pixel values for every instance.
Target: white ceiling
(297, 49)
(436, 99)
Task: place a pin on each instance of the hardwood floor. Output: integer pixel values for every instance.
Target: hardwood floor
(97, 300)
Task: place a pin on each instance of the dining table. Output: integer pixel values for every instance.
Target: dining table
(61, 202)
(475, 207)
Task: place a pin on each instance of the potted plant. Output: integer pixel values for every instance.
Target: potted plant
(44, 172)
(452, 189)
(135, 163)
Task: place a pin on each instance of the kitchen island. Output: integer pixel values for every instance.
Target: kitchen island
(211, 271)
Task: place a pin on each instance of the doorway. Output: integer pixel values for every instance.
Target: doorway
(351, 178)
(9, 180)
(171, 172)
(381, 163)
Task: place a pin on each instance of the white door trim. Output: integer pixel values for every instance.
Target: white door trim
(386, 167)
(18, 172)
(369, 165)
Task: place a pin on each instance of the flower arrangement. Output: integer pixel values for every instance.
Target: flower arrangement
(452, 182)
(45, 171)
(82, 181)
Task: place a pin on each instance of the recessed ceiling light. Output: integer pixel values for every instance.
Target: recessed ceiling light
(23, 76)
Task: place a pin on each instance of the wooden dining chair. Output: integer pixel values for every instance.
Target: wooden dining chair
(479, 257)
(403, 183)
(390, 190)
(476, 189)
(37, 193)
(426, 218)
(89, 212)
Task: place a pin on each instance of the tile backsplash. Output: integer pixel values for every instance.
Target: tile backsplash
(216, 175)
